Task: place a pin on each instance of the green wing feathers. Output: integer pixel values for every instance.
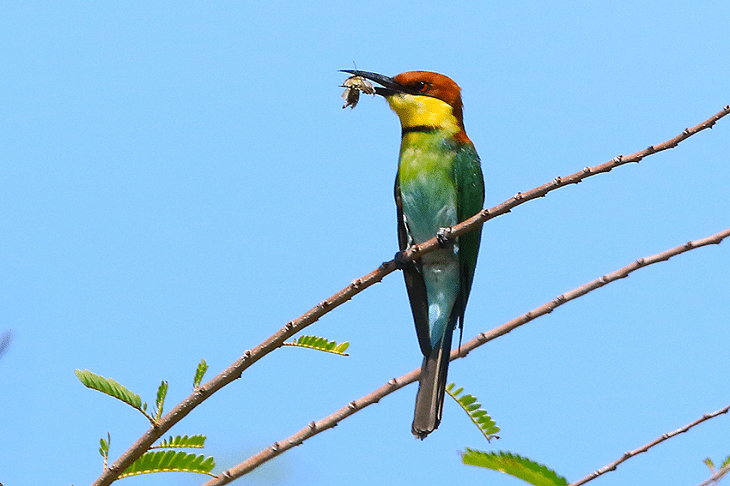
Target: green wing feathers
(470, 187)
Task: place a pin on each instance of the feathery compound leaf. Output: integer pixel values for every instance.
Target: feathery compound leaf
(192, 442)
(475, 411)
(165, 461)
(514, 465)
(199, 372)
(160, 402)
(110, 387)
(320, 344)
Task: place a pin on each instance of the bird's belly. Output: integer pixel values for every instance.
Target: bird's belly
(427, 208)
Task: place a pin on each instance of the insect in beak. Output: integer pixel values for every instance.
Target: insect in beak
(353, 85)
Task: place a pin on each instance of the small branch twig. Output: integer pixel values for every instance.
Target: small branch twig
(646, 447)
(394, 384)
(717, 476)
(249, 357)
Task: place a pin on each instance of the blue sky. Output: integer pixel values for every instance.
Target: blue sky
(179, 180)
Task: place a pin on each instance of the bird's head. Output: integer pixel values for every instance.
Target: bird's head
(422, 100)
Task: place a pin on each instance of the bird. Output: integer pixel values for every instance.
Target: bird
(439, 183)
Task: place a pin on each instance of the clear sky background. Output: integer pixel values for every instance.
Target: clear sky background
(178, 180)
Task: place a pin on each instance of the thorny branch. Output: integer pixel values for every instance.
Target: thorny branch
(251, 356)
(394, 384)
(646, 447)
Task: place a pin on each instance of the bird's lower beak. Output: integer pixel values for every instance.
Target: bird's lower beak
(389, 86)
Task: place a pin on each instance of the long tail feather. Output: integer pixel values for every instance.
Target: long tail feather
(432, 388)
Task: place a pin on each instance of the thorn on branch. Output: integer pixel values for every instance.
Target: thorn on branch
(352, 405)
(313, 425)
(247, 353)
(650, 149)
(275, 447)
(618, 159)
(557, 181)
(518, 196)
(586, 170)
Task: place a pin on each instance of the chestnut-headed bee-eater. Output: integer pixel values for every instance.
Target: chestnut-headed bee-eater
(439, 184)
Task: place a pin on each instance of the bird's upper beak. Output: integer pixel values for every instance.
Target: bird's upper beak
(389, 86)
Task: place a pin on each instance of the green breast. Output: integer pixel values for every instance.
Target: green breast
(427, 184)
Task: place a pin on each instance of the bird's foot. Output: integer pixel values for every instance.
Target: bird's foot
(442, 235)
(401, 262)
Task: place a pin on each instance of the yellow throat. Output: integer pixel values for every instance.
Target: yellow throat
(415, 111)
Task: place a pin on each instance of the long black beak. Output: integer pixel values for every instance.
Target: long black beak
(390, 87)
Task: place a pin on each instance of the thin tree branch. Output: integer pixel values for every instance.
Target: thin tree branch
(646, 447)
(358, 285)
(394, 384)
(624, 272)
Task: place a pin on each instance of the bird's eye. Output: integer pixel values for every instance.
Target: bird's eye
(422, 86)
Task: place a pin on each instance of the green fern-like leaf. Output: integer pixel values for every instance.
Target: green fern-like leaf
(475, 412)
(514, 465)
(199, 372)
(165, 461)
(160, 402)
(192, 442)
(110, 387)
(320, 344)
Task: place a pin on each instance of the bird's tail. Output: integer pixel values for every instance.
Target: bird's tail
(432, 388)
